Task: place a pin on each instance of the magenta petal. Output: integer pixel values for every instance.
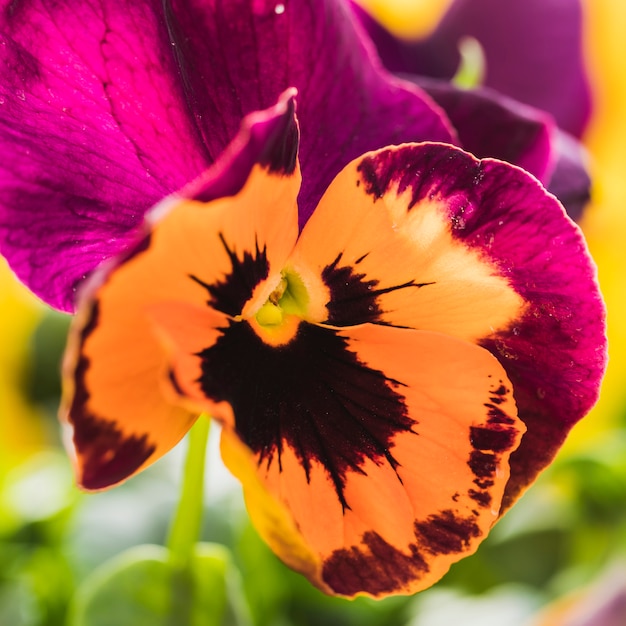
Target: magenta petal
(238, 56)
(111, 105)
(555, 353)
(492, 125)
(570, 181)
(269, 138)
(533, 51)
(94, 130)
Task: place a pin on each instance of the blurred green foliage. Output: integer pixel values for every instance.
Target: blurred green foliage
(142, 587)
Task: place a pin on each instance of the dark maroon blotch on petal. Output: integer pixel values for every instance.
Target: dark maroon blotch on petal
(446, 533)
(350, 415)
(555, 353)
(230, 294)
(483, 464)
(482, 498)
(497, 440)
(96, 439)
(107, 454)
(377, 567)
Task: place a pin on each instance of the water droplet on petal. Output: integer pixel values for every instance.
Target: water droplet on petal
(279, 9)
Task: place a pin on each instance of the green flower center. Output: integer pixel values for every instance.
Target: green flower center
(290, 297)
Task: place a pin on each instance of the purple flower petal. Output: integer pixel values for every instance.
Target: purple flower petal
(570, 181)
(556, 356)
(269, 138)
(94, 130)
(533, 51)
(109, 106)
(492, 125)
(554, 353)
(241, 55)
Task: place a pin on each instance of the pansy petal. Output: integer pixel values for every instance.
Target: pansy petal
(245, 53)
(390, 255)
(392, 469)
(492, 125)
(121, 421)
(570, 181)
(109, 106)
(270, 517)
(438, 240)
(95, 121)
(118, 401)
(533, 51)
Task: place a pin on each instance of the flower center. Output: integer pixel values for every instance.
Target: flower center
(290, 297)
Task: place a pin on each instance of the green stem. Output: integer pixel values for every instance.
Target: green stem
(185, 529)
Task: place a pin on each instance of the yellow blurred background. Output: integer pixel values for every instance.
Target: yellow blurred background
(21, 425)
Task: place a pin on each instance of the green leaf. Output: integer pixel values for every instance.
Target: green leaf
(141, 587)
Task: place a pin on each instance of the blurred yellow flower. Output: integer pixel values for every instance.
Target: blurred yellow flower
(605, 222)
(21, 426)
(407, 17)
